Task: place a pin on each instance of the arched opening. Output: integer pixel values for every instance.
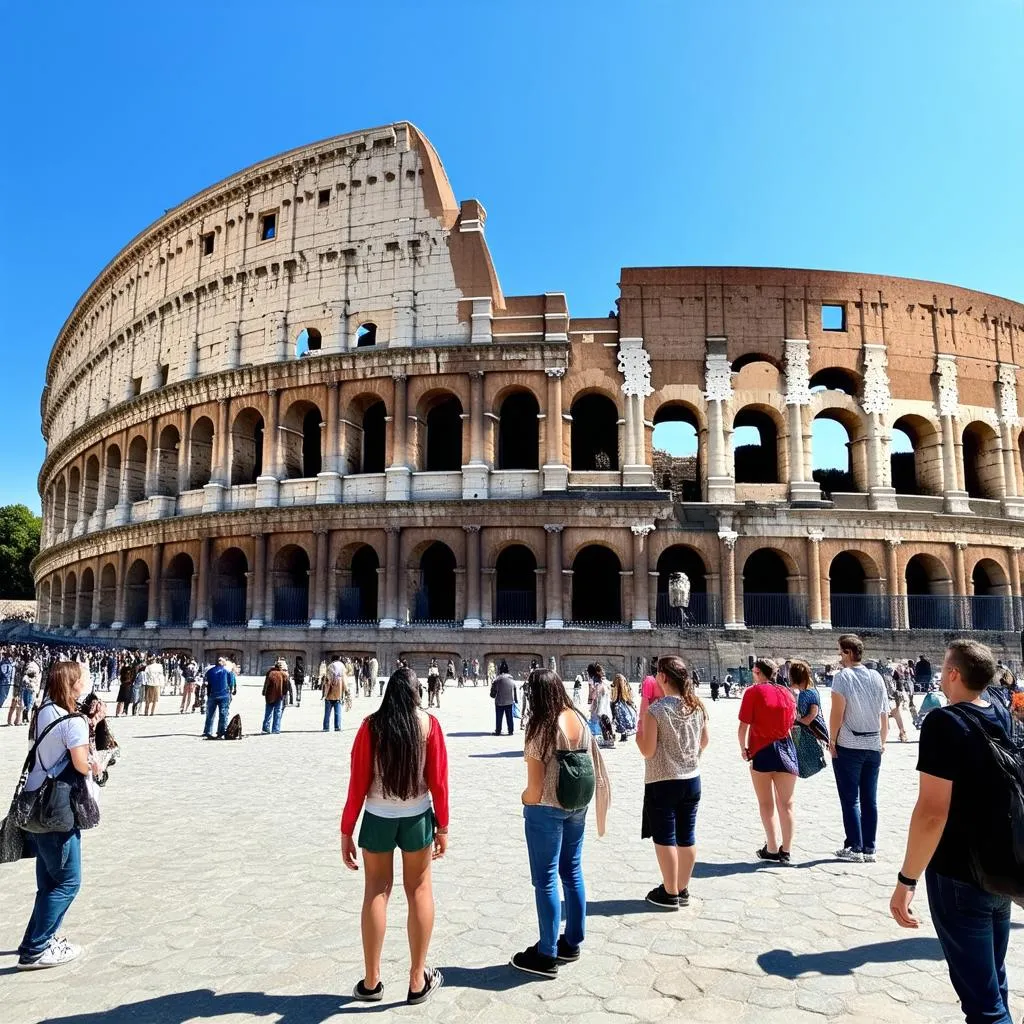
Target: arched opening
(57, 602)
(929, 594)
(200, 459)
(70, 600)
(246, 447)
(435, 599)
(443, 448)
(983, 465)
(595, 433)
(916, 456)
(308, 340)
(91, 489)
(366, 335)
(365, 435)
(291, 586)
(60, 506)
(229, 589)
(74, 494)
(767, 600)
(301, 433)
(112, 477)
(136, 594)
(596, 586)
(177, 578)
(855, 600)
(676, 451)
(771, 364)
(835, 378)
(135, 470)
(701, 608)
(518, 440)
(515, 586)
(167, 461)
(86, 588)
(991, 606)
(357, 596)
(108, 595)
(832, 453)
(755, 446)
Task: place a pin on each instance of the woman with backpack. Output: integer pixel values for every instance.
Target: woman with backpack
(623, 708)
(400, 774)
(673, 734)
(564, 769)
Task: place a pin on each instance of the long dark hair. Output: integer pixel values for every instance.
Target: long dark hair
(675, 670)
(397, 738)
(548, 700)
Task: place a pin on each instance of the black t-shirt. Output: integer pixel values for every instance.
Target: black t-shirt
(950, 749)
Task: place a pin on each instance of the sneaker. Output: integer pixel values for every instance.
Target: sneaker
(851, 855)
(567, 954)
(763, 854)
(368, 995)
(684, 898)
(784, 857)
(433, 979)
(533, 961)
(59, 951)
(869, 858)
(665, 900)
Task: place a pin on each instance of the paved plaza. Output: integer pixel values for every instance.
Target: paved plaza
(214, 891)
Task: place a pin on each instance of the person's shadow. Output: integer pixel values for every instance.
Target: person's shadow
(785, 964)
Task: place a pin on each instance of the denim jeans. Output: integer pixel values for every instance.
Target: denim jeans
(213, 706)
(502, 712)
(27, 696)
(58, 879)
(973, 927)
(274, 712)
(5, 689)
(554, 840)
(335, 706)
(857, 782)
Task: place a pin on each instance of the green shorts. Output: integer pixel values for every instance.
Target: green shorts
(382, 835)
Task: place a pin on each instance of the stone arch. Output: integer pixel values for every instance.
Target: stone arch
(60, 505)
(112, 477)
(70, 606)
(983, 462)
(596, 586)
(434, 600)
(302, 432)
(366, 335)
(135, 469)
(86, 588)
(515, 585)
(518, 445)
(916, 456)
(136, 593)
(595, 433)
(247, 443)
(108, 595)
(229, 591)
(770, 581)
(291, 585)
(439, 444)
(929, 589)
(855, 588)
(177, 590)
(678, 452)
(850, 472)
(200, 462)
(837, 378)
(91, 486)
(758, 372)
(686, 559)
(365, 429)
(74, 495)
(167, 461)
(991, 603)
(752, 358)
(358, 568)
(308, 340)
(757, 462)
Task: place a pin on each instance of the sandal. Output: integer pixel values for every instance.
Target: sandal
(433, 979)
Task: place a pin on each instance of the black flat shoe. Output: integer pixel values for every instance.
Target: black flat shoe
(368, 995)
(433, 979)
(684, 898)
(662, 899)
(765, 855)
(532, 961)
(567, 954)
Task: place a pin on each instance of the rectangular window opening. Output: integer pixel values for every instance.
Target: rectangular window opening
(323, 197)
(165, 373)
(208, 244)
(833, 316)
(136, 386)
(268, 226)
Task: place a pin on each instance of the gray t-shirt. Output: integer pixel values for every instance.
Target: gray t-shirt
(866, 700)
(52, 756)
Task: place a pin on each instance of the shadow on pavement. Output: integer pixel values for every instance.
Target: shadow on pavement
(618, 908)
(501, 753)
(784, 964)
(483, 732)
(708, 870)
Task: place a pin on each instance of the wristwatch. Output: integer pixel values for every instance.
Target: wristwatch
(910, 883)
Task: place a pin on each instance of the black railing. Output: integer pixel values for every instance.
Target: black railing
(515, 607)
(704, 610)
(861, 611)
(425, 613)
(291, 606)
(788, 611)
(992, 612)
(136, 604)
(594, 624)
(351, 607)
(177, 598)
(228, 606)
(935, 611)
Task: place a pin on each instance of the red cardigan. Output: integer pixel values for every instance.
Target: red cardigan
(362, 775)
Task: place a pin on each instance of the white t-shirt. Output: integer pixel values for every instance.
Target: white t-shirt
(155, 674)
(866, 701)
(52, 755)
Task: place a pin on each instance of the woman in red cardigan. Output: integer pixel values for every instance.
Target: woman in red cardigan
(400, 781)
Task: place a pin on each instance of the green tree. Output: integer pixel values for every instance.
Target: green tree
(19, 544)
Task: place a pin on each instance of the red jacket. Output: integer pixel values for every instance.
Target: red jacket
(436, 770)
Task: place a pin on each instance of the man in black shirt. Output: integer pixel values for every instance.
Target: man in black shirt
(923, 672)
(973, 925)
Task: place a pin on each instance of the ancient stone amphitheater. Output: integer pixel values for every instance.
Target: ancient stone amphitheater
(297, 414)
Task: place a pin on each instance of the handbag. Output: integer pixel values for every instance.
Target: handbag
(810, 758)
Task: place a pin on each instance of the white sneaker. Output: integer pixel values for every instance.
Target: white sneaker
(59, 951)
(852, 855)
(870, 858)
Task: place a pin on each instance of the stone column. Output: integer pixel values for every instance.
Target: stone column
(185, 452)
(475, 472)
(555, 471)
(201, 608)
(962, 611)
(94, 611)
(641, 610)
(258, 583)
(798, 395)
(897, 604)
(392, 536)
(818, 617)
(721, 488)
(156, 555)
(634, 364)
(123, 508)
(555, 618)
(121, 592)
(328, 482)
(473, 619)
(398, 476)
(220, 471)
(1013, 558)
(731, 607)
(319, 618)
(948, 406)
(152, 459)
(268, 487)
(1009, 422)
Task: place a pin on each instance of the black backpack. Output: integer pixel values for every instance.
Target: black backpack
(997, 856)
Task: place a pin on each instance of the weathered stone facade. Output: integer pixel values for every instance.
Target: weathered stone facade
(298, 413)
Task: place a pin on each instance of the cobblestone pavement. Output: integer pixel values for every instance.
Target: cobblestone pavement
(214, 891)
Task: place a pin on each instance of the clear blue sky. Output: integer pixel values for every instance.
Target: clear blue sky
(879, 136)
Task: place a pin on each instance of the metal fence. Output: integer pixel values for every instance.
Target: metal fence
(350, 607)
(291, 606)
(515, 607)
(228, 606)
(787, 611)
(704, 610)
(177, 598)
(861, 611)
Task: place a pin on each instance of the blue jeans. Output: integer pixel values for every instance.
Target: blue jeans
(58, 879)
(554, 840)
(335, 706)
(973, 927)
(274, 711)
(26, 702)
(213, 706)
(857, 782)
(5, 689)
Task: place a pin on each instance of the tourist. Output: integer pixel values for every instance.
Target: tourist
(332, 693)
(400, 773)
(275, 693)
(7, 669)
(503, 693)
(811, 731)
(952, 819)
(563, 770)
(218, 699)
(15, 710)
(624, 713)
(31, 681)
(175, 676)
(673, 733)
(449, 675)
(298, 678)
(124, 690)
(895, 699)
(433, 685)
(138, 686)
(922, 673)
(321, 675)
(475, 668)
(859, 726)
(767, 713)
(58, 854)
(188, 689)
(577, 688)
(376, 679)
(727, 684)
(154, 685)
(715, 687)
(601, 706)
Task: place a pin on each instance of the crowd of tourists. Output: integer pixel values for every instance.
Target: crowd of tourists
(964, 837)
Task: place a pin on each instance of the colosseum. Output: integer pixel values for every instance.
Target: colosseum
(298, 414)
